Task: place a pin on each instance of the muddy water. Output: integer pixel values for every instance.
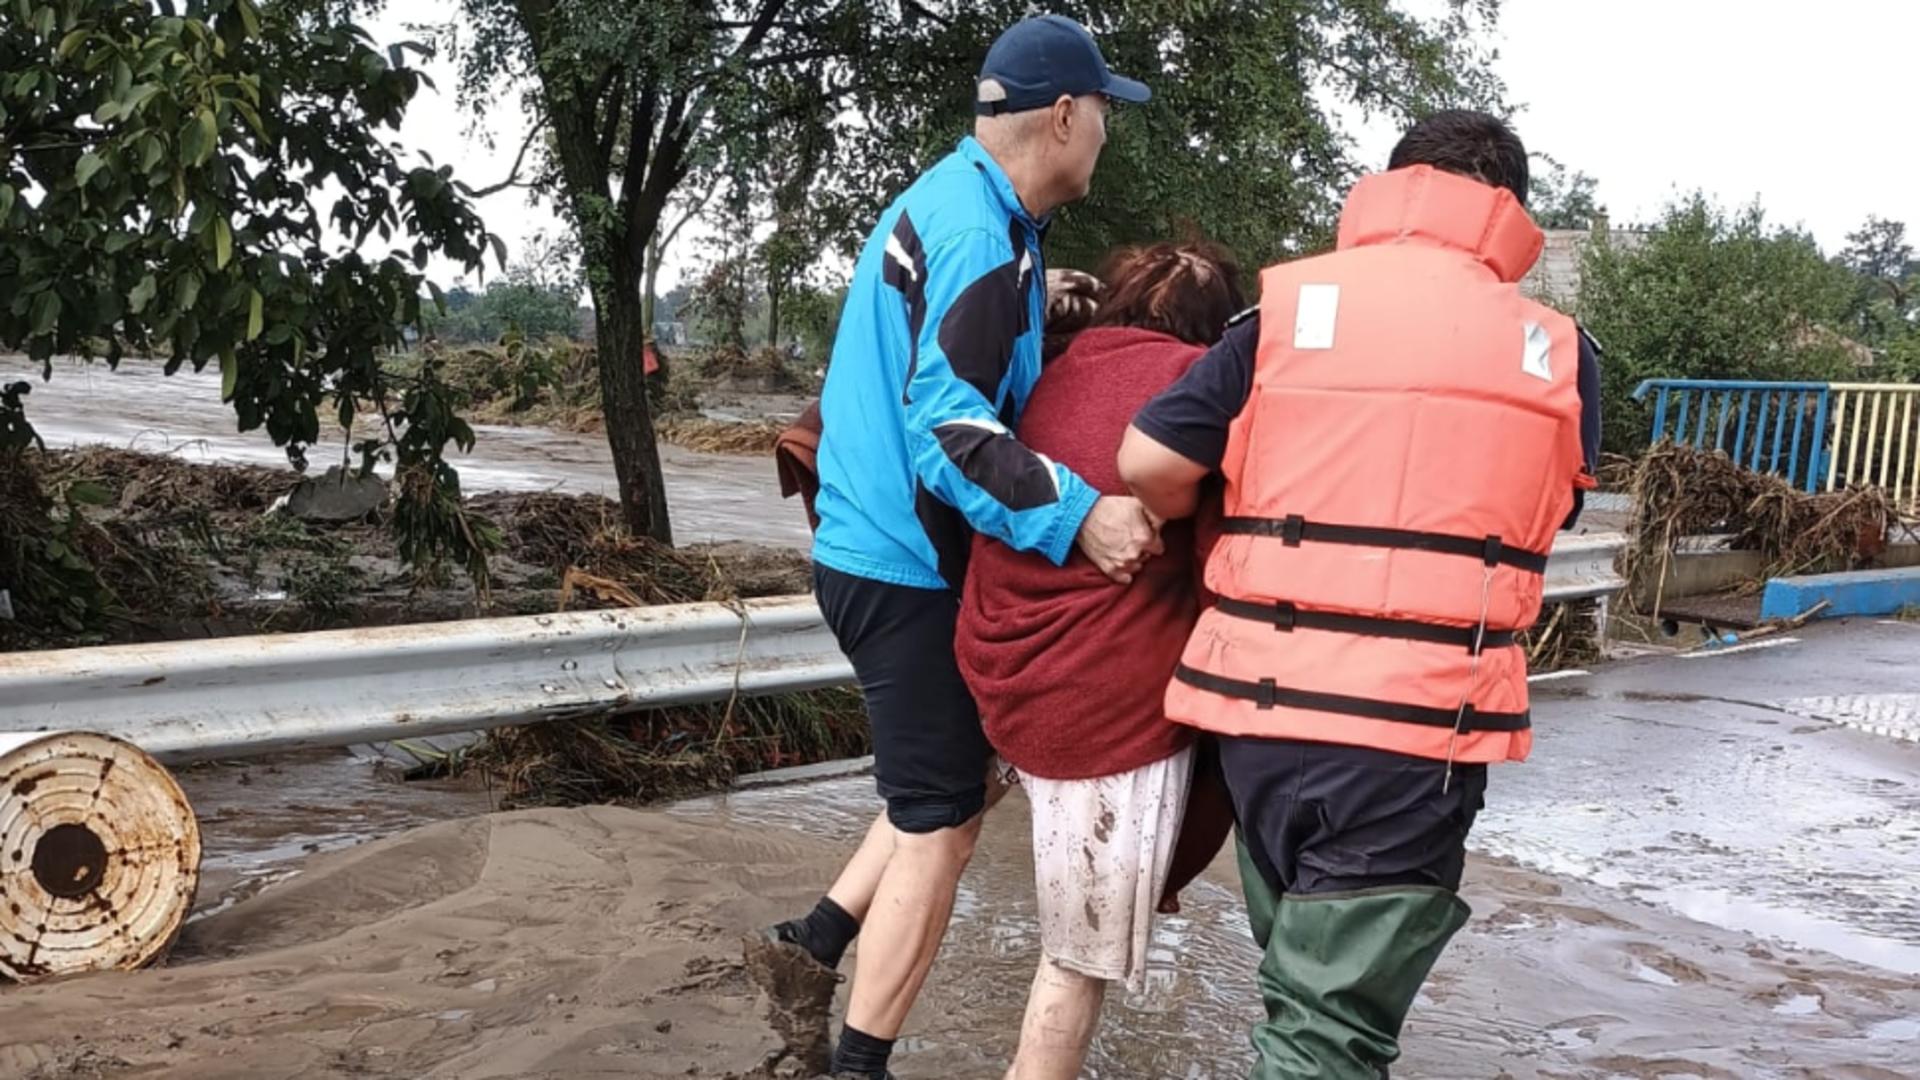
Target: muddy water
(1711, 867)
(1553, 978)
(1188, 1022)
(714, 496)
(1765, 791)
(259, 819)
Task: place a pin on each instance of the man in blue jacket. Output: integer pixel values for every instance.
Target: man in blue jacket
(938, 348)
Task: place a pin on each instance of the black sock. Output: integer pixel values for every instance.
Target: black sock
(825, 932)
(860, 1054)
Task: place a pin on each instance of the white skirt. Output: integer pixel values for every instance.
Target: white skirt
(1101, 851)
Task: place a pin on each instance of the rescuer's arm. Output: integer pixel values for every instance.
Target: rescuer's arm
(1589, 382)
(1181, 436)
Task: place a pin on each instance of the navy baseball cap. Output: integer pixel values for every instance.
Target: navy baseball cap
(1038, 60)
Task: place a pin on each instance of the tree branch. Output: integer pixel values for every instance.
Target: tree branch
(644, 195)
(663, 243)
(912, 7)
(640, 139)
(616, 107)
(513, 174)
(794, 25)
(796, 57)
(757, 31)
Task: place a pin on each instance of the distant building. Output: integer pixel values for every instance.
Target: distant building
(1555, 278)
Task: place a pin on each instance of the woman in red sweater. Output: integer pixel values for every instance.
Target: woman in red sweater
(1069, 669)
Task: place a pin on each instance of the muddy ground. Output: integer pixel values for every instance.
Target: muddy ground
(1711, 869)
(603, 942)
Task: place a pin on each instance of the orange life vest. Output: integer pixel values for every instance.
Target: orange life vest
(1394, 484)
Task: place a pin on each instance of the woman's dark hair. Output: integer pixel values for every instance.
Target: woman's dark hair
(1188, 290)
(1466, 143)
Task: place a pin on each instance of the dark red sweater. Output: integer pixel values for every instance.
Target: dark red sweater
(1069, 669)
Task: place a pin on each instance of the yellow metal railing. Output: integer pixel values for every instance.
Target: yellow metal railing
(1875, 441)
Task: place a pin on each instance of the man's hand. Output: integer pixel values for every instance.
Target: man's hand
(1119, 536)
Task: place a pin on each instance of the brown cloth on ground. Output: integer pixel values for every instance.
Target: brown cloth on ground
(796, 456)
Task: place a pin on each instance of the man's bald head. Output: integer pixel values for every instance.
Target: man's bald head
(1049, 153)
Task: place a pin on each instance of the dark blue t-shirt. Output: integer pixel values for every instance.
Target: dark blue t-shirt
(1191, 417)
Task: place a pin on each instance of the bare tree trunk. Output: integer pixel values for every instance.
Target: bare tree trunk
(773, 314)
(650, 296)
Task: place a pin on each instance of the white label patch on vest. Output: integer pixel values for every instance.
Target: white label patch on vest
(1536, 353)
(1313, 320)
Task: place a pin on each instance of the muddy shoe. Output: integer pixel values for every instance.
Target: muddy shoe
(799, 997)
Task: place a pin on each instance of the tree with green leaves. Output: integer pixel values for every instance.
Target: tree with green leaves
(635, 103)
(174, 178)
(1711, 294)
(1560, 199)
(537, 313)
(1887, 303)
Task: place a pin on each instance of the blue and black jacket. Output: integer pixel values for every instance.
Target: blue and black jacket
(937, 352)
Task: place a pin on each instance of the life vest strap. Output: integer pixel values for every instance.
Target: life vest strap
(1267, 696)
(1287, 617)
(1294, 529)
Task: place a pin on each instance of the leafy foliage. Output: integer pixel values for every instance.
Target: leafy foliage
(1562, 200)
(819, 111)
(526, 309)
(1886, 306)
(161, 183)
(1711, 294)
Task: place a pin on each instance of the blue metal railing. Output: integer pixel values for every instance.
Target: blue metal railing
(1775, 427)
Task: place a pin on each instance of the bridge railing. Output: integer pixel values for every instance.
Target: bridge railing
(1776, 427)
(1874, 441)
(1818, 436)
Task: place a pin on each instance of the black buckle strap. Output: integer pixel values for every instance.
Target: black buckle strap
(1287, 617)
(1294, 529)
(1267, 695)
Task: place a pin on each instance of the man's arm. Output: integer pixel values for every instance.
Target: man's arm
(1181, 436)
(1589, 383)
(1165, 481)
(975, 309)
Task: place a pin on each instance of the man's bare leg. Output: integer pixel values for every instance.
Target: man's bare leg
(1063, 1011)
(801, 997)
(906, 925)
(853, 890)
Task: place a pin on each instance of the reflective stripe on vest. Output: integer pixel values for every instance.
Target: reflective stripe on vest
(1407, 452)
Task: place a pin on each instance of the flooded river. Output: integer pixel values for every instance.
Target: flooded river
(714, 496)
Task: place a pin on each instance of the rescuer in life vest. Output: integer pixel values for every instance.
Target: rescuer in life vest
(1401, 434)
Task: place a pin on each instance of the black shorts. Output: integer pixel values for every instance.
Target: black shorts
(1322, 818)
(930, 755)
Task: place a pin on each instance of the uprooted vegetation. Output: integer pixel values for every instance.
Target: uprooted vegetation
(663, 753)
(556, 384)
(1680, 492)
(105, 545)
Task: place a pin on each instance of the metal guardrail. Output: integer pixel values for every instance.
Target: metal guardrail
(230, 697)
(189, 700)
(1819, 436)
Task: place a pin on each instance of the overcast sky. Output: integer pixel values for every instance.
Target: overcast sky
(1808, 107)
